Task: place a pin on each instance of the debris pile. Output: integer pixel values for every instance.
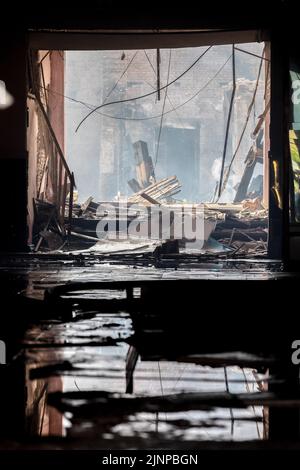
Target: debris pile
(163, 189)
(240, 227)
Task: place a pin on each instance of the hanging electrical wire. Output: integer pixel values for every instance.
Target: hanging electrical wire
(121, 76)
(146, 94)
(168, 98)
(252, 53)
(244, 127)
(163, 108)
(148, 58)
(91, 106)
(228, 122)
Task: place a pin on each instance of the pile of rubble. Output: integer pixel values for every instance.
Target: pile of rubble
(237, 227)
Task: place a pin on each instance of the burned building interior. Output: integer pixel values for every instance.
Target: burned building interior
(150, 238)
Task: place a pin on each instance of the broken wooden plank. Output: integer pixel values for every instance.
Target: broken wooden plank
(163, 188)
(144, 166)
(150, 199)
(84, 207)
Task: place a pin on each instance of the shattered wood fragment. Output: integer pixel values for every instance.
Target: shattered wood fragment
(144, 165)
(164, 188)
(85, 206)
(150, 199)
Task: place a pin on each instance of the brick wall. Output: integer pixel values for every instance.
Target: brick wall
(101, 153)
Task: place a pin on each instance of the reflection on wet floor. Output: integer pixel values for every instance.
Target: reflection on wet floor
(103, 367)
(96, 368)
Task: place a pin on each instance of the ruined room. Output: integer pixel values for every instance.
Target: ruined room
(150, 228)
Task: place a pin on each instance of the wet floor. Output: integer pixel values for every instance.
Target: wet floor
(76, 370)
(103, 369)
